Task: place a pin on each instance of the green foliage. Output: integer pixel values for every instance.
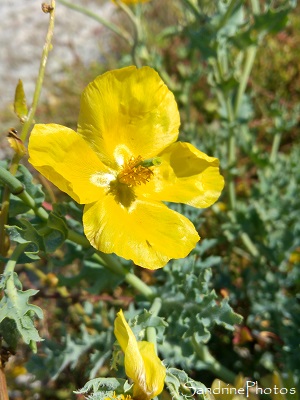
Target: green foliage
(246, 267)
(179, 385)
(102, 388)
(93, 342)
(15, 307)
(40, 237)
(191, 308)
(20, 106)
(35, 191)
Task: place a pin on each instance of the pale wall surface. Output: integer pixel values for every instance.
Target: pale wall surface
(22, 33)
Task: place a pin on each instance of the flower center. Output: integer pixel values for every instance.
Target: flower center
(134, 173)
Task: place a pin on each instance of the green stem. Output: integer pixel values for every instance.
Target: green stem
(40, 79)
(29, 201)
(151, 331)
(211, 363)
(249, 244)
(16, 188)
(18, 251)
(193, 8)
(114, 28)
(11, 185)
(14, 185)
(110, 262)
(228, 13)
(255, 6)
(275, 147)
(138, 34)
(78, 238)
(15, 161)
(250, 57)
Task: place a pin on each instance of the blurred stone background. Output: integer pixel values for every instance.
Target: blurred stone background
(22, 34)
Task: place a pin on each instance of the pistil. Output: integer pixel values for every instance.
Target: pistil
(134, 173)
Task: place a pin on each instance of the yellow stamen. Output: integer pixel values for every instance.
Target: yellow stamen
(134, 173)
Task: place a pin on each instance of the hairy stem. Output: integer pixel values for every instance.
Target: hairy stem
(151, 331)
(112, 263)
(275, 147)
(138, 34)
(40, 78)
(211, 363)
(27, 124)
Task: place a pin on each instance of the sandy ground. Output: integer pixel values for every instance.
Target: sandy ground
(22, 33)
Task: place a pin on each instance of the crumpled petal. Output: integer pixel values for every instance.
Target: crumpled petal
(126, 113)
(63, 157)
(147, 232)
(186, 175)
(142, 365)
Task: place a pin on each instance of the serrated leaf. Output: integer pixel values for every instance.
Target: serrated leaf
(48, 241)
(27, 234)
(9, 332)
(211, 313)
(15, 305)
(97, 276)
(103, 388)
(35, 190)
(182, 387)
(58, 234)
(20, 106)
(271, 21)
(144, 320)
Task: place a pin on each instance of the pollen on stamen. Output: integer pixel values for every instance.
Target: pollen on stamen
(133, 173)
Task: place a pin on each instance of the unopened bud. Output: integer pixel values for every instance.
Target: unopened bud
(46, 8)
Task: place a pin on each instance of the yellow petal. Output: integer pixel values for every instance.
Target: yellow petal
(141, 362)
(155, 373)
(126, 113)
(186, 175)
(147, 232)
(63, 157)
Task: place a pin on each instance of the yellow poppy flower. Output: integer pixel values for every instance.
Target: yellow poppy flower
(123, 163)
(142, 365)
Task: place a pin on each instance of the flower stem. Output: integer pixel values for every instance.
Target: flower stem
(138, 34)
(11, 185)
(10, 266)
(114, 28)
(151, 331)
(192, 8)
(250, 57)
(40, 79)
(110, 262)
(275, 147)
(211, 363)
(27, 124)
(228, 13)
